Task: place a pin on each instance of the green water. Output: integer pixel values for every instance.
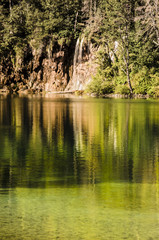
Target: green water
(78, 168)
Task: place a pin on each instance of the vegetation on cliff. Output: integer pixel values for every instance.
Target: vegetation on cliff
(126, 34)
(129, 48)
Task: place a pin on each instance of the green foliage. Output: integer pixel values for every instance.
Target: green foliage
(135, 54)
(154, 91)
(99, 86)
(120, 79)
(146, 81)
(103, 57)
(122, 89)
(121, 30)
(154, 87)
(35, 21)
(142, 81)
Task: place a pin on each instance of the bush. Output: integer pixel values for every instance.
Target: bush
(146, 81)
(120, 80)
(107, 87)
(154, 91)
(122, 89)
(142, 81)
(99, 87)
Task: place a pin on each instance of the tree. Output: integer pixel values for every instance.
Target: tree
(118, 23)
(148, 17)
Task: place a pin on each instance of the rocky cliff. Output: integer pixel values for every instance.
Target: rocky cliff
(49, 68)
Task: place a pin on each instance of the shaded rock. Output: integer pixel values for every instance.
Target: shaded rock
(47, 69)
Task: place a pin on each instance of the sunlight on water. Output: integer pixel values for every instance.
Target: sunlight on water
(76, 168)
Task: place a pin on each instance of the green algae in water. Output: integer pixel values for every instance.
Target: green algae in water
(101, 212)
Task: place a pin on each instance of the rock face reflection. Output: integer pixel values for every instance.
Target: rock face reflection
(73, 168)
(69, 141)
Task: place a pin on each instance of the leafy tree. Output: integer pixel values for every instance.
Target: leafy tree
(127, 31)
(118, 23)
(148, 18)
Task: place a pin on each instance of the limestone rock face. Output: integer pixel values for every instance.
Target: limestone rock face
(49, 68)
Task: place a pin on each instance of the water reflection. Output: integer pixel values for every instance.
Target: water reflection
(75, 168)
(74, 141)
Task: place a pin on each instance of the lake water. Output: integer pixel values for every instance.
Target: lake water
(78, 168)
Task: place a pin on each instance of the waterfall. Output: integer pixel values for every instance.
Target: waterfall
(76, 54)
(112, 53)
(84, 65)
(75, 62)
(76, 79)
(80, 51)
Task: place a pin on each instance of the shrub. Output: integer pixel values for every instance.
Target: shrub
(142, 81)
(120, 80)
(99, 87)
(146, 81)
(107, 87)
(122, 89)
(154, 91)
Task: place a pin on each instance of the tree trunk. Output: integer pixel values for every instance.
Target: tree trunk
(126, 57)
(127, 69)
(128, 77)
(91, 6)
(126, 60)
(10, 5)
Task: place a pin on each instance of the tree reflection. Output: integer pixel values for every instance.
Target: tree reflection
(53, 141)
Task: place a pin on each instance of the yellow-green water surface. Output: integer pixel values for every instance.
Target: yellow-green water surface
(78, 168)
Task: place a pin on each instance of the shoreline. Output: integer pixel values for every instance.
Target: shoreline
(76, 93)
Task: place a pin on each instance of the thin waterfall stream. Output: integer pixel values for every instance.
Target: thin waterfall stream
(76, 81)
